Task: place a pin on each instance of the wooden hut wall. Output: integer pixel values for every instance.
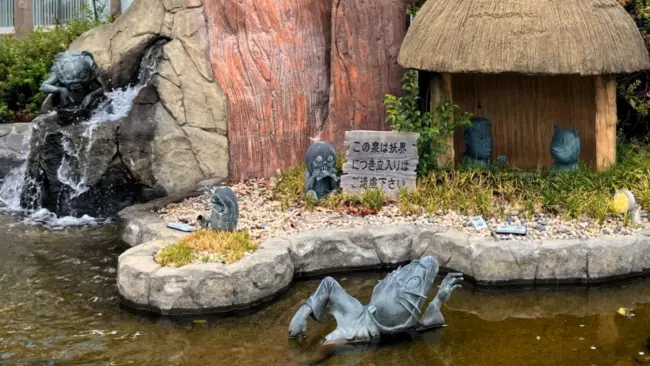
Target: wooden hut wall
(523, 109)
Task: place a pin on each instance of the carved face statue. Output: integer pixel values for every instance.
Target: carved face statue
(399, 297)
(75, 69)
(225, 209)
(321, 158)
(565, 145)
(478, 139)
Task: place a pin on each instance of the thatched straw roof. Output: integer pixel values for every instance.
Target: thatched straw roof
(585, 37)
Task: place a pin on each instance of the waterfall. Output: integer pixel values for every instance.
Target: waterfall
(72, 173)
(13, 182)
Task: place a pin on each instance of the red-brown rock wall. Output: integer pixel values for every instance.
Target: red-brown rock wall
(366, 40)
(272, 59)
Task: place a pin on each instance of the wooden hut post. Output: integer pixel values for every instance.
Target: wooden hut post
(605, 123)
(440, 93)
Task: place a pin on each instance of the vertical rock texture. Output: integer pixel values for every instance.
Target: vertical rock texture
(366, 38)
(271, 58)
(297, 69)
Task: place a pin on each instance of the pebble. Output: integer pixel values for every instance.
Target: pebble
(264, 217)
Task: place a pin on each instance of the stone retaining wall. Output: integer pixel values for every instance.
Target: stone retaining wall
(204, 288)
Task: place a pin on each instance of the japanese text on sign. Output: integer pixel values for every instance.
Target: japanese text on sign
(379, 159)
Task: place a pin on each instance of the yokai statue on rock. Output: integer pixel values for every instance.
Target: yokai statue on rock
(394, 306)
(225, 211)
(75, 86)
(320, 176)
(565, 149)
(479, 145)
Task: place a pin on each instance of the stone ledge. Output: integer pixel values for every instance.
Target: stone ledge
(137, 224)
(202, 288)
(267, 272)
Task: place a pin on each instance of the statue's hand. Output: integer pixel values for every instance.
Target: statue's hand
(65, 96)
(297, 327)
(85, 103)
(449, 284)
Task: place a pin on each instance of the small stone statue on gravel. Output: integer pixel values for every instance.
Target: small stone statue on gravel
(394, 306)
(565, 149)
(75, 86)
(320, 175)
(225, 211)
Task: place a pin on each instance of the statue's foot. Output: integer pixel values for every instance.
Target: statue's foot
(312, 195)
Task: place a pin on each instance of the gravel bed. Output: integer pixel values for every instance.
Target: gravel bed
(263, 218)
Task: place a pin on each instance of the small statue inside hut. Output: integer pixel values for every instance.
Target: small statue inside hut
(225, 211)
(565, 149)
(75, 86)
(479, 144)
(320, 175)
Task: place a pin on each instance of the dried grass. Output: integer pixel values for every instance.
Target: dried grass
(585, 37)
(226, 247)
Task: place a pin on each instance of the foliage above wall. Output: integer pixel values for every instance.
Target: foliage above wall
(26, 61)
(635, 89)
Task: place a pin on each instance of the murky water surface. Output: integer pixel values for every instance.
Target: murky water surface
(58, 304)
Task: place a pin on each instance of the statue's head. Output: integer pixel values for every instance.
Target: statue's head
(75, 69)
(403, 290)
(565, 145)
(225, 209)
(320, 158)
(478, 139)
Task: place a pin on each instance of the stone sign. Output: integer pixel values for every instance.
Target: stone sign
(379, 159)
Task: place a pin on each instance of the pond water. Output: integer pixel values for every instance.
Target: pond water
(59, 304)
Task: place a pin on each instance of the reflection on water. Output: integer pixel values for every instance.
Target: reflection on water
(59, 301)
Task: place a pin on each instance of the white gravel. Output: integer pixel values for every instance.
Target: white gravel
(263, 217)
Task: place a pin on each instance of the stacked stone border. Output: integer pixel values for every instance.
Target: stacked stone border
(208, 288)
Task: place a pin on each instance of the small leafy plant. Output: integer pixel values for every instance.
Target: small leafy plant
(435, 128)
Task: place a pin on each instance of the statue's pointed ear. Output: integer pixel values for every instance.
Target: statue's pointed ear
(555, 128)
(86, 53)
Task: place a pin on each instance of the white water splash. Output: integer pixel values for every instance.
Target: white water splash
(117, 106)
(14, 181)
(44, 217)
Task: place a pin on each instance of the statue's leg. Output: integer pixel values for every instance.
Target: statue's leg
(432, 316)
(342, 306)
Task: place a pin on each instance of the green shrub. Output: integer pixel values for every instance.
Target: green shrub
(633, 89)
(25, 63)
(434, 128)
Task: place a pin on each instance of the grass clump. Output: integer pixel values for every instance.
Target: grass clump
(207, 246)
(499, 192)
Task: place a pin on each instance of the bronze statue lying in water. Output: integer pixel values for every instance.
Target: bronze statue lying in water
(394, 306)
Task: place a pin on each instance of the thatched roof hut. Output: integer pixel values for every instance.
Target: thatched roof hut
(527, 64)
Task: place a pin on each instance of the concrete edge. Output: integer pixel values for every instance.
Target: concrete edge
(484, 261)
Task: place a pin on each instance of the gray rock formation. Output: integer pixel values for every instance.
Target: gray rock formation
(176, 136)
